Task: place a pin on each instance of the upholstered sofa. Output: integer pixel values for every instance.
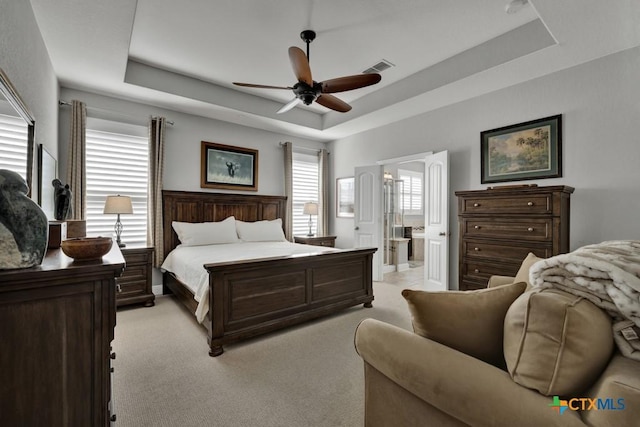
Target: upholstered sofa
(507, 355)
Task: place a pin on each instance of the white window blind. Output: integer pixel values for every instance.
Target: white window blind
(13, 144)
(412, 191)
(305, 189)
(117, 163)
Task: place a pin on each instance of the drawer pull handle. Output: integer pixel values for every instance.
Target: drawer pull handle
(477, 227)
(530, 229)
(529, 203)
(476, 249)
(476, 205)
(476, 271)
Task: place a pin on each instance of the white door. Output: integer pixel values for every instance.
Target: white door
(436, 222)
(368, 213)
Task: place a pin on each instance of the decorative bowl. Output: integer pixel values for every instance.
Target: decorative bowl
(86, 248)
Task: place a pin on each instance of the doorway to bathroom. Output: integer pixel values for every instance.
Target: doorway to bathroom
(381, 219)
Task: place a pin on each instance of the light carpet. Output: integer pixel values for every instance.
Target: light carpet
(307, 375)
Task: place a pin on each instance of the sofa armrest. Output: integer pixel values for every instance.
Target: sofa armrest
(459, 385)
(499, 281)
(618, 385)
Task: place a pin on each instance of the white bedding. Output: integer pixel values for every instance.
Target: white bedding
(187, 262)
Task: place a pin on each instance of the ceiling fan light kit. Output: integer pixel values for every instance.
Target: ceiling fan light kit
(307, 90)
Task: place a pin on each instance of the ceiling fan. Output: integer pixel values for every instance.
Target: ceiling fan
(308, 90)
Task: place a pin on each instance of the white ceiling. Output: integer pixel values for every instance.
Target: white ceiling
(184, 55)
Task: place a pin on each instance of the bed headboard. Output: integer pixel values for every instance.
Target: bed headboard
(186, 206)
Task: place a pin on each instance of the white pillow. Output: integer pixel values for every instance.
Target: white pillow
(206, 233)
(261, 231)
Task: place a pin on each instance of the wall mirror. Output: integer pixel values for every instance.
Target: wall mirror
(18, 143)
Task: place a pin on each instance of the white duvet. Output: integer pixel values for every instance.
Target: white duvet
(187, 262)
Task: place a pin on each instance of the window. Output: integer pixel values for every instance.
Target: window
(117, 157)
(305, 189)
(13, 144)
(412, 192)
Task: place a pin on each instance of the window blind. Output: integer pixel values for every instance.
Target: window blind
(13, 144)
(305, 170)
(412, 192)
(117, 163)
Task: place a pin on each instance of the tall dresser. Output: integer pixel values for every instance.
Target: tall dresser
(500, 226)
(57, 322)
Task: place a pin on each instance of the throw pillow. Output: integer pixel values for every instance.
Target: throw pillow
(555, 342)
(523, 273)
(468, 321)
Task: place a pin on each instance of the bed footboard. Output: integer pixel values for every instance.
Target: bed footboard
(250, 298)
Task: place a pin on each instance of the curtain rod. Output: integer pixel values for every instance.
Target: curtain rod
(61, 102)
(298, 148)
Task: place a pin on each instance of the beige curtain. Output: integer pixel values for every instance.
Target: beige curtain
(76, 163)
(288, 189)
(323, 192)
(155, 232)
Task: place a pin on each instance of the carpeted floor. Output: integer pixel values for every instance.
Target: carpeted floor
(307, 375)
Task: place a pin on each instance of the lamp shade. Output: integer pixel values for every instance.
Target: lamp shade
(310, 208)
(118, 205)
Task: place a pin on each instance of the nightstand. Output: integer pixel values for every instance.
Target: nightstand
(316, 240)
(134, 286)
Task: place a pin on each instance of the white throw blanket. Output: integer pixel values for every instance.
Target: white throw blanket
(608, 275)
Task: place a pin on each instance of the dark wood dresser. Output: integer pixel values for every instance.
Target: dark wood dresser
(57, 322)
(499, 227)
(134, 286)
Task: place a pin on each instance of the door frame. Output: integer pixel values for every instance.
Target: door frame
(419, 157)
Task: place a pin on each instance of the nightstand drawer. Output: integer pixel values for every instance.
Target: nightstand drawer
(137, 258)
(328, 241)
(134, 273)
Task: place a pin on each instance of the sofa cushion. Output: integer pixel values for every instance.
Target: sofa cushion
(468, 321)
(523, 273)
(555, 342)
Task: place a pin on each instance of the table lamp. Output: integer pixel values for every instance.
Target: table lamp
(310, 208)
(118, 205)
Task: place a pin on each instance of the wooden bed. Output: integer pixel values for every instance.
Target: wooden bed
(249, 298)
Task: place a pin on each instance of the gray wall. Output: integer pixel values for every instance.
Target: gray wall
(24, 58)
(183, 140)
(600, 105)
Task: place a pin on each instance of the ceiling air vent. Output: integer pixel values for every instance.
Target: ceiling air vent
(379, 67)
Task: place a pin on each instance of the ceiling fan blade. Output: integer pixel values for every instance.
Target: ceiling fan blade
(300, 65)
(334, 103)
(261, 86)
(289, 105)
(342, 84)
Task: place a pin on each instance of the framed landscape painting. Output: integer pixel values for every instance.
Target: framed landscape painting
(228, 167)
(529, 150)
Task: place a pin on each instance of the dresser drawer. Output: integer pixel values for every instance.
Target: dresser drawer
(534, 229)
(502, 252)
(511, 204)
(479, 272)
